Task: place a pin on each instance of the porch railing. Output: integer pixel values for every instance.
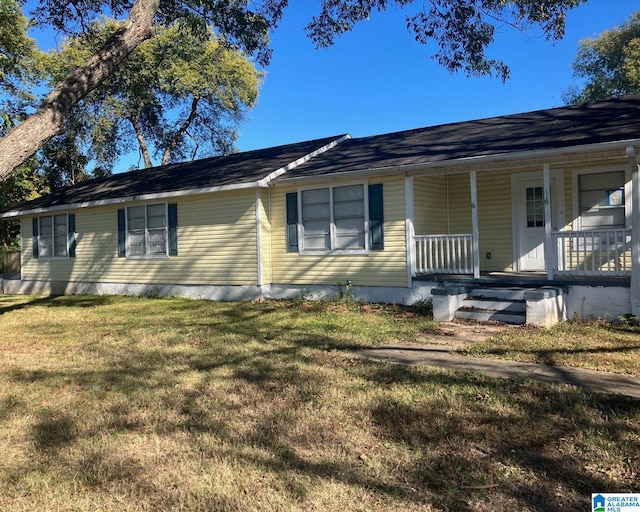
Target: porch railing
(444, 254)
(603, 252)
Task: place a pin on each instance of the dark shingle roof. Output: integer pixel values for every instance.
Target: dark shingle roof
(232, 170)
(552, 129)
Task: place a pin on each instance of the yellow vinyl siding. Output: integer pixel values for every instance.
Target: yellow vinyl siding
(494, 220)
(46, 269)
(442, 205)
(265, 233)
(460, 204)
(216, 246)
(430, 205)
(377, 268)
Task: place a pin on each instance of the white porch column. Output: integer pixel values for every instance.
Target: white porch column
(635, 232)
(258, 207)
(409, 231)
(474, 224)
(549, 253)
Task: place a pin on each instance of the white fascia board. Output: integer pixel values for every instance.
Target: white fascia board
(263, 183)
(128, 199)
(521, 155)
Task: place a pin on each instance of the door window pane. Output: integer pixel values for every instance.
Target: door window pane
(535, 207)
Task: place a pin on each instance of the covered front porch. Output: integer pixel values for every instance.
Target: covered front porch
(561, 224)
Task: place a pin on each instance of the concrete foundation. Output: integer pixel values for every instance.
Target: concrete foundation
(543, 307)
(388, 295)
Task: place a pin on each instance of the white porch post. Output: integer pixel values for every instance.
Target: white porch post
(474, 224)
(549, 253)
(258, 207)
(635, 232)
(409, 231)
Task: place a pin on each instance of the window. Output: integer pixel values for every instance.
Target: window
(335, 219)
(148, 231)
(54, 236)
(535, 207)
(601, 200)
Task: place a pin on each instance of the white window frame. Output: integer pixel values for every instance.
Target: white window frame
(577, 215)
(53, 237)
(146, 255)
(332, 227)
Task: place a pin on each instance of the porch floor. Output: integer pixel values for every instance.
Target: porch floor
(526, 279)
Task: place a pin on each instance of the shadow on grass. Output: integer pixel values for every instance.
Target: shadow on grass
(506, 426)
(455, 441)
(84, 301)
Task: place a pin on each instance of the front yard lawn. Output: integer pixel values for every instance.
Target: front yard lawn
(595, 345)
(127, 404)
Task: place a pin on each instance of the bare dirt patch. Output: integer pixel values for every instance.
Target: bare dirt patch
(460, 334)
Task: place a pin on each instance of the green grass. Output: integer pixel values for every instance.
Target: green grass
(123, 404)
(594, 345)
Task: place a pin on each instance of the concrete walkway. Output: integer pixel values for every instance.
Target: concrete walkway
(445, 356)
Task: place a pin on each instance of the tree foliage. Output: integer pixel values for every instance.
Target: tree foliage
(462, 31)
(180, 94)
(16, 47)
(609, 65)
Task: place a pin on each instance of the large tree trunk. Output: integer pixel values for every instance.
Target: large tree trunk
(49, 120)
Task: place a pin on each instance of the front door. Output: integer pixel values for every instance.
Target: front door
(530, 221)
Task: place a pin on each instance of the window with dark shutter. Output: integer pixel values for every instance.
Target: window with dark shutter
(122, 233)
(34, 237)
(376, 217)
(71, 237)
(292, 222)
(172, 214)
(148, 231)
(345, 219)
(54, 236)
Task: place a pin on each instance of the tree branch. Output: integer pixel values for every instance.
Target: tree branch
(49, 120)
(175, 140)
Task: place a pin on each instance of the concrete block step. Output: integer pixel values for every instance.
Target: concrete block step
(499, 293)
(487, 304)
(493, 316)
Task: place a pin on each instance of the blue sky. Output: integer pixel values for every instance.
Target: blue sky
(377, 79)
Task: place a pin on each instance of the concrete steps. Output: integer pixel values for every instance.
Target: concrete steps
(495, 304)
(510, 303)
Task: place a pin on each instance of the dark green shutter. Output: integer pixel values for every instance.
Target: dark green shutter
(122, 233)
(292, 222)
(35, 237)
(376, 217)
(172, 213)
(71, 224)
